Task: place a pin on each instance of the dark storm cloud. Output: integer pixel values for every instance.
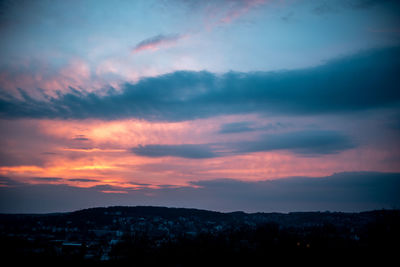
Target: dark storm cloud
(306, 143)
(363, 81)
(356, 191)
(190, 151)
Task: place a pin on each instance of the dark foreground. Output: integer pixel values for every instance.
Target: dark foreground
(156, 236)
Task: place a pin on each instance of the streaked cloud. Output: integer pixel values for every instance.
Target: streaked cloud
(236, 127)
(157, 42)
(190, 151)
(236, 9)
(82, 180)
(80, 137)
(246, 126)
(222, 12)
(306, 143)
(42, 78)
(48, 179)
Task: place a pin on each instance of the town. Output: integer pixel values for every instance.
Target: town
(118, 234)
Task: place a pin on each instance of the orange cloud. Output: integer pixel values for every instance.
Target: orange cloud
(86, 153)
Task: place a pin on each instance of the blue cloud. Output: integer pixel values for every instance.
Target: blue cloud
(363, 81)
(83, 180)
(236, 127)
(190, 151)
(326, 7)
(157, 41)
(48, 179)
(301, 142)
(306, 143)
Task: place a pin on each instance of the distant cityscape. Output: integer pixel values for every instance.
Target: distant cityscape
(149, 234)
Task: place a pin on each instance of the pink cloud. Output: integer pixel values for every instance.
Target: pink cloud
(38, 77)
(216, 15)
(228, 11)
(240, 9)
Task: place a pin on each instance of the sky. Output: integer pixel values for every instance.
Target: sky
(253, 105)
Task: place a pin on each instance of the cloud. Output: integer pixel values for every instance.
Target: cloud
(362, 81)
(238, 9)
(190, 151)
(83, 180)
(48, 179)
(325, 7)
(245, 126)
(7, 182)
(80, 137)
(354, 191)
(363, 4)
(394, 30)
(301, 142)
(306, 143)
(221, 12)
(343, 191)
(156, 42)
(236, 127)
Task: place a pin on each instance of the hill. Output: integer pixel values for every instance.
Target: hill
(174, 235)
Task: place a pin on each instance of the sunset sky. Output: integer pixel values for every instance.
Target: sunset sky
(254, 105)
